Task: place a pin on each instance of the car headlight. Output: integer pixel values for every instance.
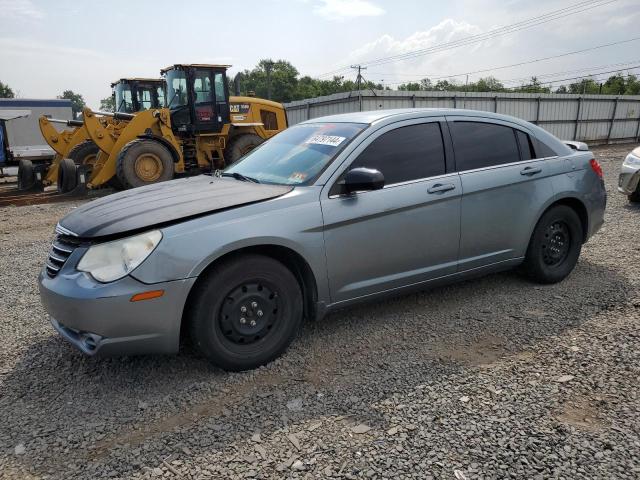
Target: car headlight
(632, 160)
(111, 261)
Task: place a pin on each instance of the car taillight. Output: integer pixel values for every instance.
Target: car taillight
(595, 166)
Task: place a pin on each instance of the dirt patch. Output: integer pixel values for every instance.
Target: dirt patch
(581, 413)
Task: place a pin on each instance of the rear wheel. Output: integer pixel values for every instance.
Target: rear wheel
(67, 180)
(85, 153)
(241, 145)
(555, 245)
(143, 162)
(26, 175)
(246, 313)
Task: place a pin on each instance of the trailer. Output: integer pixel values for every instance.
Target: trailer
(20, 131)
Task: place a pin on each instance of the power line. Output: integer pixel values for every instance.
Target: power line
(531, 22)
(527, 62)
(544, 75)
(590, 76)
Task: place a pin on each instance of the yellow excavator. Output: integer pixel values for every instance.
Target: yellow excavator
(201, 129)
(129, 95)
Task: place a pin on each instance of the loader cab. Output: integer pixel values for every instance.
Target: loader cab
(132, 95)
(197, 97)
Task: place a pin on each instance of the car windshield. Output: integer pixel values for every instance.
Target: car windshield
(123, 98)
(297, 155)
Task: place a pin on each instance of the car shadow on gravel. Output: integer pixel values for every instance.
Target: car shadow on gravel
(373, 348)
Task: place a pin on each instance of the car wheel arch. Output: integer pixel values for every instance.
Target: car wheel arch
(572, 202)
(291, 259)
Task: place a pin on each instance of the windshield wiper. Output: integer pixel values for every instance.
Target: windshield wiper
(239, 176)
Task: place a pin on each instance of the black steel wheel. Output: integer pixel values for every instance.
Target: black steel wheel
(246, 312)
(555, 245)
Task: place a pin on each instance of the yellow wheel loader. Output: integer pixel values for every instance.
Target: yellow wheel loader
(200, 129)
(129, 95)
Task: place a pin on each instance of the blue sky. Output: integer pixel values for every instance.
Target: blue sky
(47, 47)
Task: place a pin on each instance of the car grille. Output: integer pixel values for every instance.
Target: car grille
(62, 247)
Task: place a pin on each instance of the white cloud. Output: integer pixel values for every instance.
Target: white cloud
(340, 10)
(20, 9)
(433, 64)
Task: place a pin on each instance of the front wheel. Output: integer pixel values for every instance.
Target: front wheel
(143, 162)
(240, 145)
(246, 312)
(555, 245)
(635, 196)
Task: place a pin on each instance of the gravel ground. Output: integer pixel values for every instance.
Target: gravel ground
(491, 378)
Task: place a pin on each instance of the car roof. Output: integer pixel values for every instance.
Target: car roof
(394, 115)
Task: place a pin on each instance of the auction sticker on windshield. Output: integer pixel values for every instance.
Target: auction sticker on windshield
(331, 140)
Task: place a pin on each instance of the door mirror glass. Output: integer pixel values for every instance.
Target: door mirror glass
(362, 179)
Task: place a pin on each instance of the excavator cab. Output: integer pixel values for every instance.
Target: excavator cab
(197, 97)
(132, 95)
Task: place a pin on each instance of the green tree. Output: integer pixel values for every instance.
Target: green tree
(279, 78)
(77, 102)
(6, 91)
(534, 86)
(107, 104)
(487, 84)
(586, 85)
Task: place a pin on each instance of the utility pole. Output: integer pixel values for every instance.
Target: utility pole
(268, 65)
(359, 82)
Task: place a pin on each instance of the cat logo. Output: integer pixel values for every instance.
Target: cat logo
(239, 108)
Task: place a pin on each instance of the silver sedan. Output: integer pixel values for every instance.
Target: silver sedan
(330, 212)
(629, 180)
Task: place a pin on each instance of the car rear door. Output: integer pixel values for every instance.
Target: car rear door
(504, 187)
(405, 233)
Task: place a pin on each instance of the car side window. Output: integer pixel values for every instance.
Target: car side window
(406, 153)
(544, 151)
(526, 147)
(480, 144)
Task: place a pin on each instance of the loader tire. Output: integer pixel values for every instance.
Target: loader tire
(241, 145)
(144, 162)
(26, 175)
(85, 153)
(67, 180)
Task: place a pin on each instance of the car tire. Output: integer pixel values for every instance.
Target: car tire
(635, 196)
(245, 313)
(240, 146)
(67, 179)
(555, 245)
(144, 162)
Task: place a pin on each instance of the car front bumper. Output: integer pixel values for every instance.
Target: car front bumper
(101, 318)
(629, 178)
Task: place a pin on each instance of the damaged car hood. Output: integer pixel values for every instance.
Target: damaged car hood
(163, 204)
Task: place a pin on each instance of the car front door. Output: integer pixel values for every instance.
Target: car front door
(504, 187)
(404, 233)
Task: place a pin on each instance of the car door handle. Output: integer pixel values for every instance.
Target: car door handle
(530, 171)
(441, 187)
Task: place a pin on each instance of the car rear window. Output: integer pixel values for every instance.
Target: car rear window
(406, 153)
(481, 144)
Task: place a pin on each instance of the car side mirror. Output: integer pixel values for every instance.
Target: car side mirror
(361, 180)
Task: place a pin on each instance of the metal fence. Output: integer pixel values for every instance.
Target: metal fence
(590, 118)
